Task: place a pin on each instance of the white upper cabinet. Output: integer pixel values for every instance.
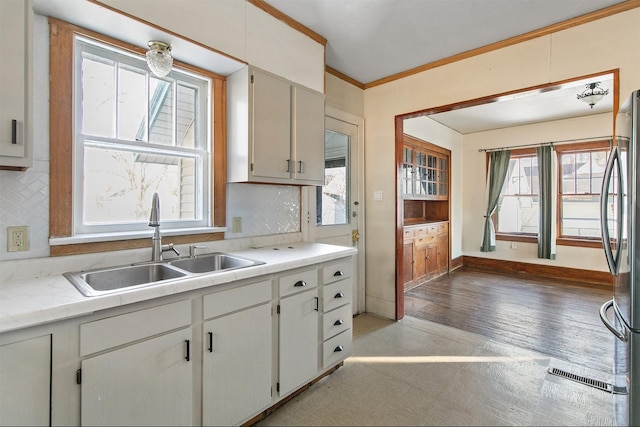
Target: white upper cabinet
(15, 137)
(275, 130)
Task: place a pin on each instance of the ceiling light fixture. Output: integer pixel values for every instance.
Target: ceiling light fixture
(592, 94)
(159, 58)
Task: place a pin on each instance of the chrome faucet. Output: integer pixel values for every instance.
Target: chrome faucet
(157, 248)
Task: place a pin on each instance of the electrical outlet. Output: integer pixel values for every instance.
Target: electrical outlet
(17, 238)
(236, 226)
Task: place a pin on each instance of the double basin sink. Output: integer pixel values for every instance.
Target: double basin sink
(115, 279)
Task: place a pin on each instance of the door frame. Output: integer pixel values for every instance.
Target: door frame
(337, 114)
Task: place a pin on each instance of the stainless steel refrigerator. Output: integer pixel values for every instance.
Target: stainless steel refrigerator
(620, 206)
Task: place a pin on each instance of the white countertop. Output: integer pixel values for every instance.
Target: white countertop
(26, 302)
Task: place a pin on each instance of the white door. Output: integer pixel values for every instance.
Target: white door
(335, 211)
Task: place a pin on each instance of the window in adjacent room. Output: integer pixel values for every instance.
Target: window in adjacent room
(518, 206)
(581, 173)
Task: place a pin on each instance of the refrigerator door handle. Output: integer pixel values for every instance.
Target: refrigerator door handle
(622, 336)
(613, 161)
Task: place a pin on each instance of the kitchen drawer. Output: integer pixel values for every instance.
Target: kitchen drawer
(336, 294)
(408, 234)
(336, 349)
(219, 303)
(420, 232)
(337, 271)
(442, 228)
(298, 282)
(125, 328)
(336, 321)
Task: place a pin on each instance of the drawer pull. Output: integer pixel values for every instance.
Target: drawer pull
(338, 322)
(210, 342)
(188, 346)
(338, 349)
(300, 283)
(338, 273)
(339, 295)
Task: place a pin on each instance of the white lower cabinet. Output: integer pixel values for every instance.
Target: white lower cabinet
(25, 378)
(138, 377)
(298, 330)
(149, 383)
(237, 355)
(217, 355)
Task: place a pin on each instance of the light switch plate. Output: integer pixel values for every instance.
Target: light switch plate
(17, 238)
(236, 226)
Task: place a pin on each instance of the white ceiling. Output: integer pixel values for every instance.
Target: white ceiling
(371, 39)
(368, 40)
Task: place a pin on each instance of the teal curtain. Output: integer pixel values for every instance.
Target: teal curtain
(547, 180)
(498, 166)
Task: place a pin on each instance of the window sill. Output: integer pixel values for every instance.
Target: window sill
(92, 243)
(129, 235)
(560, 241)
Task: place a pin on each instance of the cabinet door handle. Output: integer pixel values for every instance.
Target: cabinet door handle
(338, 349)
(288, 165)
(338, 322)
(338, 273)
(299, 166)
(188, 348)
(210, 342)
(300, 283)
(317, 303)
(14, 131)
(339, 295)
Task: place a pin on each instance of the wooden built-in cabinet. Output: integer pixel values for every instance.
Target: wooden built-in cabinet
(426, 252)
(425, 186)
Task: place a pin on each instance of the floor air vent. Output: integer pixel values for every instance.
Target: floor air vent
(600, 385)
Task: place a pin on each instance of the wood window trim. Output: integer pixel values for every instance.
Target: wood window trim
(561, 240)
(61, 145)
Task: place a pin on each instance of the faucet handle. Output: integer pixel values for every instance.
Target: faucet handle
(169, 247)
(193, 249)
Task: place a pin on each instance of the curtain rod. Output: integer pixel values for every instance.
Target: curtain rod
(564, 141)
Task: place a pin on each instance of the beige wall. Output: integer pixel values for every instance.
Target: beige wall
(590, 48)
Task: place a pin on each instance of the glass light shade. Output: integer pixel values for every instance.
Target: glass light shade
(159, 58)
(592, 100)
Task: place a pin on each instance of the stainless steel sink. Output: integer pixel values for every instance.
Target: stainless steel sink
(208, 263)
(104, 281)
(116, 279)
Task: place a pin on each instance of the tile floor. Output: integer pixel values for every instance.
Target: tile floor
(416, 372)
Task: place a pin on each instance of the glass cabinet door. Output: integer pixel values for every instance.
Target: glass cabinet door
(443, 173)
(407, 171)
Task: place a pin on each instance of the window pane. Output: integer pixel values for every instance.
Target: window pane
(161, 112)
(332, 199)
(518, 214)
(581, 216)
(186, 115)
(118, 186)
(132, 105)
(568, 173)
(583, 173)
(598, 164)
(98, 97)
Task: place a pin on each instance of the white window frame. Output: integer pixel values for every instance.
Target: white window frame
(201, 154)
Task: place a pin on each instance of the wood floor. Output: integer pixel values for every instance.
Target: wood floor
(557, 319)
